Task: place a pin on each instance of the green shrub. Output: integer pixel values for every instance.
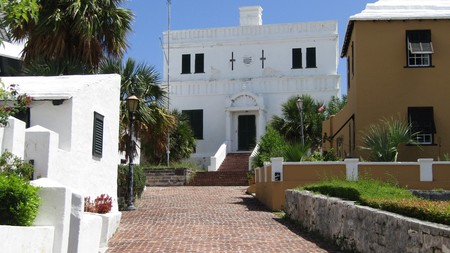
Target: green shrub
(20, 201)
(122, 184)
(272, 145)
(11, 164)
(344, 192)
(385, 196)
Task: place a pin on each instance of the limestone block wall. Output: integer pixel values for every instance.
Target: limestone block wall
(167, 177)
(364, 229)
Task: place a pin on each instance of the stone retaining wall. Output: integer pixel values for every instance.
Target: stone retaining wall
(167, 177)
(364, 229)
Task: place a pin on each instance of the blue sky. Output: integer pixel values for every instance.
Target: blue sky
(151, 20)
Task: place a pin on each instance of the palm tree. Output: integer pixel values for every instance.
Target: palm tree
(152, 122)
(384, 139)
(65, 31)
(289, 123)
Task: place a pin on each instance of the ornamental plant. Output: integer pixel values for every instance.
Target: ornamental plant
(11, 102)
(20, 201)
(11, 164)
(101, 204)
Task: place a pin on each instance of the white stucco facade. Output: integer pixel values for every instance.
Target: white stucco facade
(248, 70)
(61, 130)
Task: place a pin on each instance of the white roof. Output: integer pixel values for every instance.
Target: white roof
(405, 9)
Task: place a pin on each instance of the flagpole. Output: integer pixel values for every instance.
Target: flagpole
(169, 2)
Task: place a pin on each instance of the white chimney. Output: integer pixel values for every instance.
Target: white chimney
(251, 15)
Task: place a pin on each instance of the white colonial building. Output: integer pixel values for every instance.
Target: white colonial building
(10, 55)
(232, 80)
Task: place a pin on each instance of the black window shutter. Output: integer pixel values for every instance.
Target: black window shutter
(297, 58)
(199, 63)
(195, 118)
(186, 64)
(311, 57)
(97, 140)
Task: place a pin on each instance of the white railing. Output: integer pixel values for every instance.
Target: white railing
(218, 158)
(250, 159)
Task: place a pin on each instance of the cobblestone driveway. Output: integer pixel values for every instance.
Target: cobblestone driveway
(207, 219)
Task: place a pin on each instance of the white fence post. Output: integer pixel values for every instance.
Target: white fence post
(426, 170)
(277, 169)
(14, 137)
(351, 166)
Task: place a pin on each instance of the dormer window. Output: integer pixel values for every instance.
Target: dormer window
(420, 48)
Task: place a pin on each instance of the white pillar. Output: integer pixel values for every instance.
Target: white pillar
(426, 170)
(42, 147)
(277, 169)
(54, 210)
(228, 130)
(351, 168)
(14, 137)
(261, 124)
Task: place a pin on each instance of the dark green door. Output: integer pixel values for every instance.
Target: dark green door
(246, 132)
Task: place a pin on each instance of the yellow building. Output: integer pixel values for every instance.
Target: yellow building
(398, 63)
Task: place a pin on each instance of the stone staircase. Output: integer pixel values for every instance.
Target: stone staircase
(232, 172)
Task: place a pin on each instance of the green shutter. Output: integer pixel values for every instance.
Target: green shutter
(97, 140)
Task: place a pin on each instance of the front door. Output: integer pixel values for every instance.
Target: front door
(246, 132)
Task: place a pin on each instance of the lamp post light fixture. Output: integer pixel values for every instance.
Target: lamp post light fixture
(300, 109)
(132, 105)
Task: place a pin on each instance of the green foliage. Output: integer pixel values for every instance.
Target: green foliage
(11, 102)
(327, 155)
(182, 141)
(339, 191)
(295, 152)
(384, 139)
(83, 32)
(11, 164)
(122, 184)
(314, 113)
(20, 201)
(385, 196)
(152, 123)
(272, 144)
(18, 13)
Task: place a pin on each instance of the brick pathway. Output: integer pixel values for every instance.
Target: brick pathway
(207, 219)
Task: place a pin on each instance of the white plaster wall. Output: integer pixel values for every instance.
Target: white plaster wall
(13, 138)
(73, 120)
(11, 50)
(277, 42)
(54, 117)
(35, 239)
(274, 84)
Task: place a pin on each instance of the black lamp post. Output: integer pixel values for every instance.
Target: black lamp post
(300, 109)
(132, 105)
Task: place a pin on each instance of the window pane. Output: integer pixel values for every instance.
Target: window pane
(311, 57)
(199, 63)
(296, 58)
(195, 118)
(186, 64)
(421, 120)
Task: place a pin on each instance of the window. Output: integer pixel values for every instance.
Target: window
(421, 120)
(199, 63)
(311, 57)
(195, 117)
(97, 140)
(186, 64)
(419, 48)
(297, 58)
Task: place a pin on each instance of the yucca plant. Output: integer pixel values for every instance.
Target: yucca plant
(384, 139)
